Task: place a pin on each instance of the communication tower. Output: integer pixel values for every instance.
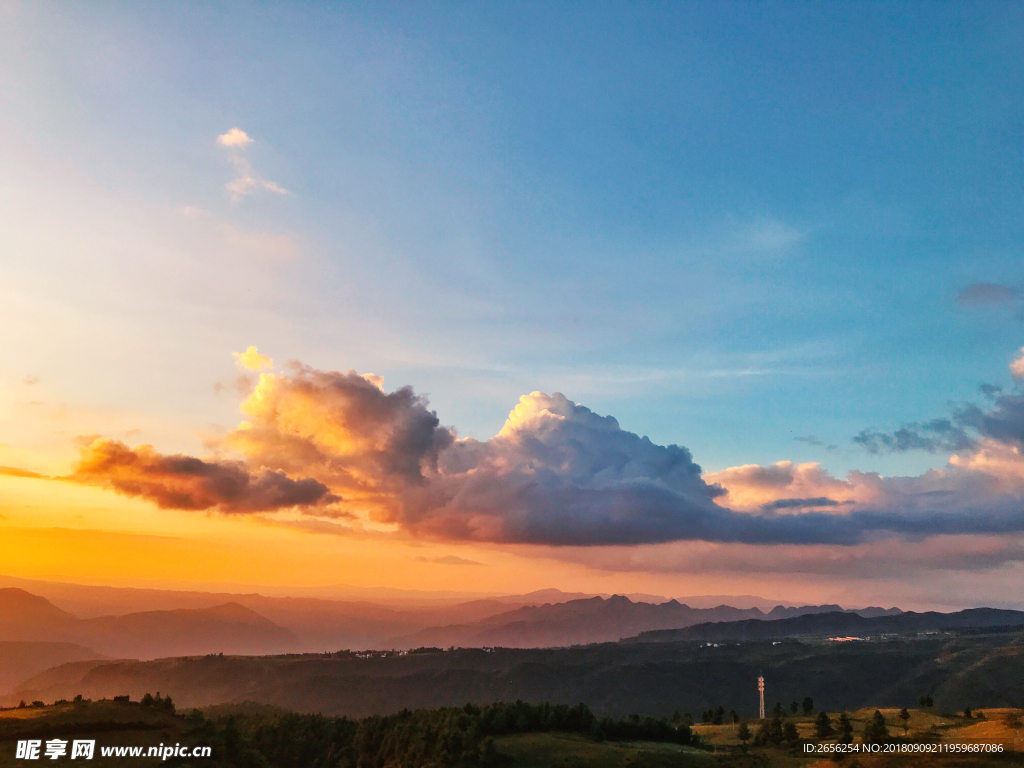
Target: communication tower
(760, 690)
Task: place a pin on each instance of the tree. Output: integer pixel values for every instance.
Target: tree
(789, 732)
(845, 729)
(770, 732)
(967, 712)
(743, 734)
(926, 702)
(794, 707)
(905, 717)
(734, 716)
(718, 716)
(808, 705)
(876, 731)
(823, 726)
(778, 711)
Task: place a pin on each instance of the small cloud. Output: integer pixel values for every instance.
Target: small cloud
(30, 380)
(446, 560)
(772, 236)
(815, 441)
(817, 502)
(990, 390)
(1017, 366)
(235, 138)
(18, 472)
(191, 212)
(248, 184)
(987, 294)
(252, 360)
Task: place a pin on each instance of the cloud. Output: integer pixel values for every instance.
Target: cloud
(17, 472)
(932, 436)
(185, 482)
(816, 441)
(446, 560)
(882, 559)
(1017, 366)
(247, 182)
(987, 294)
(369, 445)
(252, 360)
(557, 474)
(236, 137)
(817, 502)
(964, 429)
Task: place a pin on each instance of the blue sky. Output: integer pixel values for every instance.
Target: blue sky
(727, 225)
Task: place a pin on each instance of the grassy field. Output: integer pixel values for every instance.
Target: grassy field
(554, 750)
(951, 728)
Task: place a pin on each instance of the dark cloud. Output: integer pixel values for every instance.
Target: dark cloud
(815, 441)
(931, 436)
(987, 294)
(185, 482)
(818, 501)
(1002, 421)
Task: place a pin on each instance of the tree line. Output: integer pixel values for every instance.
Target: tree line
(453, 737)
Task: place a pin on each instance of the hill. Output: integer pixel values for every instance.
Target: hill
(21, 660)
(612, 678)
(837, 624)
(30, 617)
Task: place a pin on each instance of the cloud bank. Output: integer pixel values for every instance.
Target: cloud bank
(339, 446)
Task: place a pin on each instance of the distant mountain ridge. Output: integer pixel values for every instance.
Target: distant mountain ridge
(836, 624)
(593, 620)
(228, 628)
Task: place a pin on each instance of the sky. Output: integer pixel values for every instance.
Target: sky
(700, 298)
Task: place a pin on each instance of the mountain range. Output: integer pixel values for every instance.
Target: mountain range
(594, 620)
(838, 625)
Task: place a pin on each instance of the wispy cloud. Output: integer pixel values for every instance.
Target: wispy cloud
(247, 182)
(987, 294)
(446, 560)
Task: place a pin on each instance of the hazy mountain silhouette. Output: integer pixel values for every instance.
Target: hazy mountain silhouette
(24, 616)
(20, 660)
(837, 624)
(592, 620)
(228, 628)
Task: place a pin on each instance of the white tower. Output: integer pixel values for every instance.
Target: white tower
(760, 690)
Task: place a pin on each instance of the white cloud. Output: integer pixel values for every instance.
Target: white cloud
(236, 137)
